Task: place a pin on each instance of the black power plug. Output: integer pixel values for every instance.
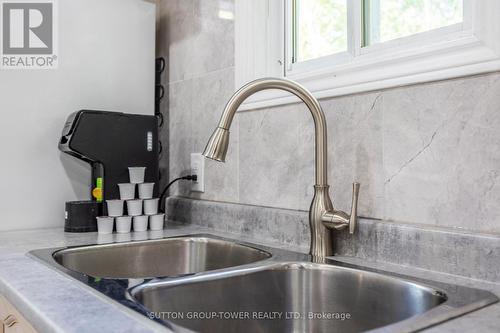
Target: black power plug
(189, 177)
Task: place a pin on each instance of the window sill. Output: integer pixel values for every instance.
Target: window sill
(261, 50)
(458, 58)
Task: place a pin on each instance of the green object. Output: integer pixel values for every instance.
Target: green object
(98, 184)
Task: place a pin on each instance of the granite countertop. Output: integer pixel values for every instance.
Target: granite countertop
(54, 302)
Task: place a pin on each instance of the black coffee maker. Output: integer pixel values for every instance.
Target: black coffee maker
(111, 142)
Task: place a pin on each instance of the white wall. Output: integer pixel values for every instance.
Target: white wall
(106, 61)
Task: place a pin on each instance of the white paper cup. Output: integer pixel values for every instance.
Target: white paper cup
(127, 191)
(105, 224)
(136, 174)
(151, 206)
(146, 190)
(115, 207)
(156, 221)
(141, 223)
(123, 224)
(134, 207)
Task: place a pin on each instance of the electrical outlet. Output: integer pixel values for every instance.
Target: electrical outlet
(198, 169)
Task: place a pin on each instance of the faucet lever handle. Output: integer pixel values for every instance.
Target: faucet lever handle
(353, 219)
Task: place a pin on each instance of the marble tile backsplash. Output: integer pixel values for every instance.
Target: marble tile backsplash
(426, 154)
(442, 153)
(472, 255)
(194, 39)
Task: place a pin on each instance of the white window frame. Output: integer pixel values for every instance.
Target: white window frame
(262, 28)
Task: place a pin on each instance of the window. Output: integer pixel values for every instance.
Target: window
(319, 28)
(385, 20)
(338, 47)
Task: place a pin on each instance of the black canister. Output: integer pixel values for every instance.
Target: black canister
(80, 216)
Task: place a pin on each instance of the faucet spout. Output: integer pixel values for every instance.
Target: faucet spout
(215, 143)
(321, 207)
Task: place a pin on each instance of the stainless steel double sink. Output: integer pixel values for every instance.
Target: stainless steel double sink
(157, 258)
(211, 284)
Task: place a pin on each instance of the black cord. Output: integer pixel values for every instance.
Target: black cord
(190, 177)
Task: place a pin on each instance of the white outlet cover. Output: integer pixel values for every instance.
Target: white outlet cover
(198, 168)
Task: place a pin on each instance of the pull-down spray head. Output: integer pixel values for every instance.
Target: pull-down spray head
(216, 148)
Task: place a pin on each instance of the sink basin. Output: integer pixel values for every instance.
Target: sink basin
(281, 298)
(237, 290)
(157, 258)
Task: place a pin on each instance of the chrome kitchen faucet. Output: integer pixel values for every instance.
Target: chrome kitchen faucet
(322, 215)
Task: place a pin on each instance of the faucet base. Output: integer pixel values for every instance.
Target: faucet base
(321, 237)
